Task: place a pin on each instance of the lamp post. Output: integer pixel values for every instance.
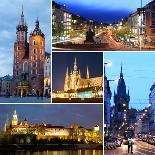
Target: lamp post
(140, 36)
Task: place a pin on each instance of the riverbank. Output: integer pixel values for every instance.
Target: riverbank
(44, 147)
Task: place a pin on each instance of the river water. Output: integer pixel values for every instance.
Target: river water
(67, 152)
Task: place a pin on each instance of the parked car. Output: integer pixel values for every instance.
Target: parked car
(110, 142)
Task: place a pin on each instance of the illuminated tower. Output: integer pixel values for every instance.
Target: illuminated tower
(66, 85)
(21, 52)
(14, 118)
(87, 76)
(74, 77)
(36, 59)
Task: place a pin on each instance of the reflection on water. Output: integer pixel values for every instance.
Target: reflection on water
(67, 152)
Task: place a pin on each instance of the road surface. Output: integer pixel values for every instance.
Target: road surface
(139, 148)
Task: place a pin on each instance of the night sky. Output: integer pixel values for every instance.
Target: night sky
(84, 115)
(10, 12)
(138, 71)
(94, 60)
(105, 11)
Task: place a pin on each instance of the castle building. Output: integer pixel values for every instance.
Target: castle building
(121, 100)
(77, 87)
(29, 58)
(49, 131)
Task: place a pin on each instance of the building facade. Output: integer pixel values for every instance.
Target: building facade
(107, 104)
(48, 131)
(121, 100)
(5, 85)
(29, 59)
(152, 110)
(47, 76)
(61, 22)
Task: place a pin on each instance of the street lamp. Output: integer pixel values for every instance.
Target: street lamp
(108, 64)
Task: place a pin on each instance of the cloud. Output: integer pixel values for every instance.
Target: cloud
(10, 12)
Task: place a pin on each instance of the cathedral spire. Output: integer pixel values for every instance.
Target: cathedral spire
(75, 65)
(87, 73)
(121, 74)
(67, 72)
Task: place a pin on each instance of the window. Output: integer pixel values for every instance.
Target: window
(33, 71)
(34, 51)
(34, 42)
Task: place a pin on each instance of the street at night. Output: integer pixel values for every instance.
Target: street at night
(139, 148)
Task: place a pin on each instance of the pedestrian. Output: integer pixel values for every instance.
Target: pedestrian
(130, 145)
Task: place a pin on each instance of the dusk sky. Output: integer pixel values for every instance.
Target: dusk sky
(62, 115)
(10, 11)
(138, 71)
(103, 10)
(94, 60)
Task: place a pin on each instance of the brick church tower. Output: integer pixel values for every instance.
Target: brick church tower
(28, 68)
(36, 58)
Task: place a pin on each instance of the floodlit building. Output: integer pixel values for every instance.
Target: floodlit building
(76, 86)
(48, 131)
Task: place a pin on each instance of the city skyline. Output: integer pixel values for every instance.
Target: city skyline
(50, 114)
(99, 12)
(66, 59)
(8, 31)
(136, 69)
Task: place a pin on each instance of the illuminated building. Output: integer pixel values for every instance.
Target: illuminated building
(29, 58)
(61, 22)
(47, 75)
(48, 131)
(77, 87)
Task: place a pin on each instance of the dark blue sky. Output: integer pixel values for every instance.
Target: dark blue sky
(103, 10)
(84, 115)
(138, 71)
(94, 60)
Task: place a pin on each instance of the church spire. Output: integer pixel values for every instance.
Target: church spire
(75, 65)
(67, 72)
(121, 74)
(87, 73)
(22, 18)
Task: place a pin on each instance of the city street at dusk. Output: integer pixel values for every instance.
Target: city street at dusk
(139, 148)
(129, 103)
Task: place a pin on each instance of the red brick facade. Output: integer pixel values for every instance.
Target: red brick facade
(28, 68)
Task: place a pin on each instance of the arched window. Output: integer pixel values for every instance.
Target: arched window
(25, 67)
